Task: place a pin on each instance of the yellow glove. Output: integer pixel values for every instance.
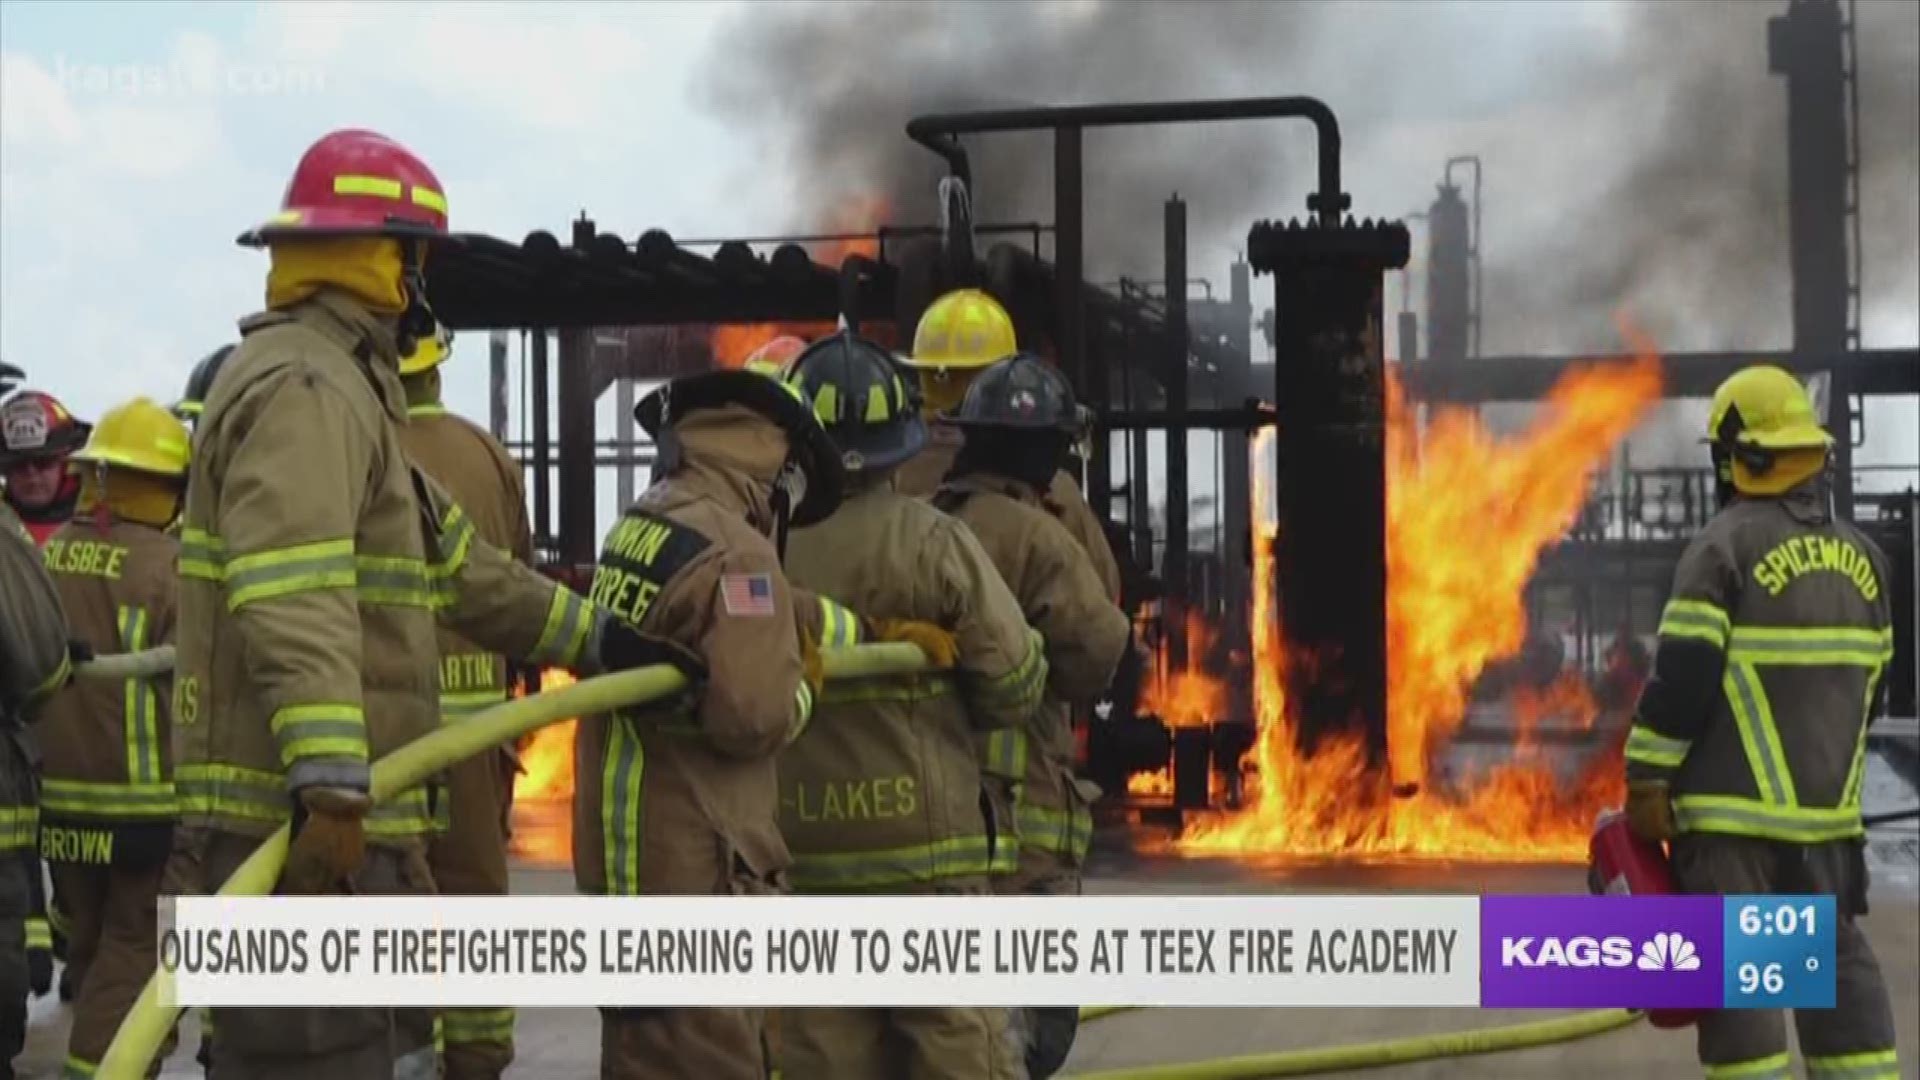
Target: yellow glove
(330, 843)
(939, 645)
(1649, 810)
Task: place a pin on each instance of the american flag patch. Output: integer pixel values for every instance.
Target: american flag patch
(747, 595)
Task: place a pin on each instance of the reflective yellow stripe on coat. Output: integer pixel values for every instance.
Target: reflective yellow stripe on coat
(253, 795)
(1776, 813)
(620, 795)
(142, 705)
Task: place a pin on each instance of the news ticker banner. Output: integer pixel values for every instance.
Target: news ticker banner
(1156, 951)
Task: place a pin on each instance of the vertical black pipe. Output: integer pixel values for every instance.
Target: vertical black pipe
(1069, 282)
(577, 534)
(1236, 484)
(542, 442)
(577, 389)
(623, 428)
(1139, 489)
(1330, 406)
(497, 384)
(1805, 45)
(1174, 366)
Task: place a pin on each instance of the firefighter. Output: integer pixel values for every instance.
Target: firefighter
(1747, 749)
(470, 859)
(199, 384)
(1018, 418)
(106, 815)
(33, 665)
(314, 561)
(962, 333)
(882, 793)
(36, 435)
(680, 798)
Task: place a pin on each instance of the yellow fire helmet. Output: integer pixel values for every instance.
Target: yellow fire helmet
(1766, 436)
(1765, 408)
(142, 436)
(428, 352)
(965, 329)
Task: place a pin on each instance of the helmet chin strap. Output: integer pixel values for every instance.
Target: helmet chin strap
(666, 454)
(417, 322)
(1723, 489)
(782, 508)
(789, 491)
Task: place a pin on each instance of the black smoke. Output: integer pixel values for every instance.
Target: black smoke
(1634, 154)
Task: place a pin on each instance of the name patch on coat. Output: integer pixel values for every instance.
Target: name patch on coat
(641, 555)
(92, 558)
(1811, 553)
(747, 595)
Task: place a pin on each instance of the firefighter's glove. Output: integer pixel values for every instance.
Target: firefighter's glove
(1649, 810)
(942, 650)
(329, 840)
(79, 653)
(622, 648)
(39, 954)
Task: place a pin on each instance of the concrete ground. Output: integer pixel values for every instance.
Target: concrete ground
(558, 1044)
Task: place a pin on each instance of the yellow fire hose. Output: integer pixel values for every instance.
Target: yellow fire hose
(152, 1016)
(1371, 1055)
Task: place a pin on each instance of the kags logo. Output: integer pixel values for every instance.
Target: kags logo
(1576, 952)
(1663, 952)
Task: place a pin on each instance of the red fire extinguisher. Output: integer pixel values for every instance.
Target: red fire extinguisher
(1620, 863)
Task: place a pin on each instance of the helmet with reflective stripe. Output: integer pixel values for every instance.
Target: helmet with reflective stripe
(1022, 392)
(776, 354)
(860, 396)
(784, 405)
(1764, 408)
(35, 426)
(965, 328)
(200, 384)
(357, 183)
(141, 436)
(428, 352)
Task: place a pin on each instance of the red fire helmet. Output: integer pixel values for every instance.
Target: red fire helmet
(35, 426)
(358, 183)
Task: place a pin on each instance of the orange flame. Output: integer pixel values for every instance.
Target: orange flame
(543, 789)
(1185, 695)
(1157, 784)
(1468, 515)
(733, 345)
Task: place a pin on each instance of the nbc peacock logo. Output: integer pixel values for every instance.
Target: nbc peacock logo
(1668, 951)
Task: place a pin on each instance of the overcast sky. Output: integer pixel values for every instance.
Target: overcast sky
(136, 139)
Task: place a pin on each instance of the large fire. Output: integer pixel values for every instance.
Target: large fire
(732, 345)
(1468, 514)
